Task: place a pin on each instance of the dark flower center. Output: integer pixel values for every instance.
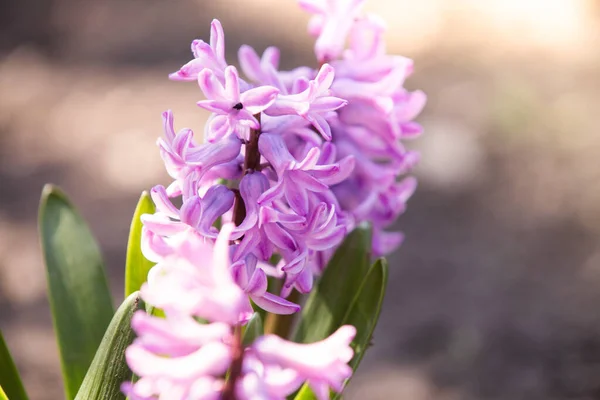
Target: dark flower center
(238, 106)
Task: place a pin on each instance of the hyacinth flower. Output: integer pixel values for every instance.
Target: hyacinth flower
(251, 274)
(231, 107)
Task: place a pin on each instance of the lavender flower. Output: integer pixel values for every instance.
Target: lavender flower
(206, 55)
(332, 22)
(292, 161)
(231, 107)
(313, 103)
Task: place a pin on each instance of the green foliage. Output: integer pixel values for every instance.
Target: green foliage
(10, 381)
(305, 393)
(254, 328)
(328, 303)
(109, 368)
(363, 313)
(78, 292)
(136, 265)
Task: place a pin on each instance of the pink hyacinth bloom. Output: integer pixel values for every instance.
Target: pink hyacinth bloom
(331, 23)
(323, 364)
(206, 55)
(177, 356)
(197, 213)
(195, 279)
(231, 107)
(253, 280)
(313, 103)
(266, 382)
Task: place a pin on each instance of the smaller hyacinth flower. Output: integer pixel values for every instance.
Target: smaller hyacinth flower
(391, 202)
(253, 280)
(197, 213)
(297, 178)
(366, 58)
(320, 231)
(231, 107)
(378, 94)
(332, 22)
(183, 158)
(407, 106)
(323, 364)
(206, 55)
(385, 242)
(261, 70)
(177, 356)
(313, 103)
(195, 279)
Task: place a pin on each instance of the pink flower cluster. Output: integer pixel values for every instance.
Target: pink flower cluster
(290, 163)
(180, 357)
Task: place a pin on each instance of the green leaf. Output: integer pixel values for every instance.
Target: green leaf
(77, 287)
(365, 309)
(109, 368)
(329, 301)
(363, 314)
(254, 328)
(305, 393)
(9, 376)
(136, 265)
(2, 394)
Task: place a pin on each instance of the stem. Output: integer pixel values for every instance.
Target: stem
(236, 365)
(252, 160)
(251, 163)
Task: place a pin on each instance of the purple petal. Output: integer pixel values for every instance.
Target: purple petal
(249, 62)
(211, 154)
(329, 176)
(275, 304)
(296, 195)
(324, 79)
(302, 179)
(217, 39)
(168, 125)
(273, 148)
(327, 103)
(210, 85)
(162, 225)
(182, 141)
(320, 125)
(257, 285)
(216, 202)
(258, 99)
(232, 85)
(310, 160)
(163, 204)
(191, 210)
(222, 107)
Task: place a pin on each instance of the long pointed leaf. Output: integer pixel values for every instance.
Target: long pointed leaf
(2, 394)
(136, 265)
(329, 301)
(77, 287)
(10, 380)
(363, 314)
(365, 310)
(109, 368)
(305, 393)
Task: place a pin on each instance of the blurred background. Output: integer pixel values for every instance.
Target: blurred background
(495, 293)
